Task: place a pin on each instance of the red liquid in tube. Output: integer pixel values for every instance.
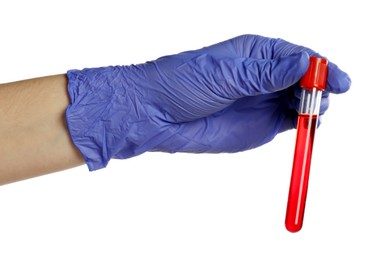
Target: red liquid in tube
(301, 170)
(312, 83)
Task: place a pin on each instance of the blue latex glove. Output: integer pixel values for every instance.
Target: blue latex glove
(229, 97)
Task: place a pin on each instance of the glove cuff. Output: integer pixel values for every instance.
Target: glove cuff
(106, 118)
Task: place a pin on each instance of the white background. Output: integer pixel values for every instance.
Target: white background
(182, 206)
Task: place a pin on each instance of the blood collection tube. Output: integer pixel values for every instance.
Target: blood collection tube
(312, 83)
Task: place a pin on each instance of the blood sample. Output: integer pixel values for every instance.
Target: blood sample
(312, 83)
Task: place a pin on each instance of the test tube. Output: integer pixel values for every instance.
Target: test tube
(312, 83)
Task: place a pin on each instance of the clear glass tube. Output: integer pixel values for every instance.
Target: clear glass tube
(307, 124)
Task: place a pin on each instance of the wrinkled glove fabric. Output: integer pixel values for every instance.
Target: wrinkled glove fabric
(228, 97)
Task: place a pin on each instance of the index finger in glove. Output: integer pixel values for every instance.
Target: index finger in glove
(259, 47)
(338, 81)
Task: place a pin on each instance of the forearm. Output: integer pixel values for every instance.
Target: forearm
(34, 139)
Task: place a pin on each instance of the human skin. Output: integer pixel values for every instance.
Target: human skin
(34, 139)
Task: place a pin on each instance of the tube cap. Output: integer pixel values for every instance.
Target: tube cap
(316, 75)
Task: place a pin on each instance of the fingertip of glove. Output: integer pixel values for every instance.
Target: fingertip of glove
(338, 81)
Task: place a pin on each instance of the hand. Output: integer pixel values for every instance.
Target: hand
(229, 97)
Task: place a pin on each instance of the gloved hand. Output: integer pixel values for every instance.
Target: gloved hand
(229, 97)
